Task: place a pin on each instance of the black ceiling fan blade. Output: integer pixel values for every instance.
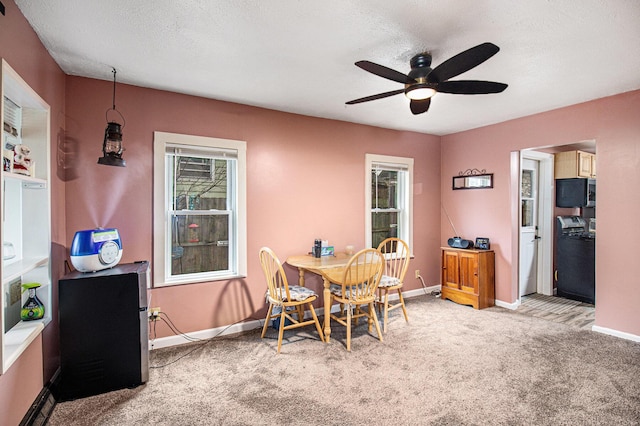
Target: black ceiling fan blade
(385, 72)
(420, 106)
(471, 87)
(462, 62)
(374, 97)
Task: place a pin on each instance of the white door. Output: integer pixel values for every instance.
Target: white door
(528, 226)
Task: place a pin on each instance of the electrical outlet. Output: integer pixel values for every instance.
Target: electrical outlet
(154, 314)
(417, 273)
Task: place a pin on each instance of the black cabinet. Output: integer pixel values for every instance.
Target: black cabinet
(104, 342)
(575, 267)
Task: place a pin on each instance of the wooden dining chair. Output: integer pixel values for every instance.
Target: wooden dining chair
(281, 294)
(397, 256)
(358, 289)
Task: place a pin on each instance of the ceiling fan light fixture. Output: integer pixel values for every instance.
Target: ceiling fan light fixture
(419, 92)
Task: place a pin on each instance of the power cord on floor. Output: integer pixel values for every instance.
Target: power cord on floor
(203, 342)
(167, 320)
(434, 293)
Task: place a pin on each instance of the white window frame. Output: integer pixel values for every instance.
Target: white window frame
(406, 196)
(161, 240)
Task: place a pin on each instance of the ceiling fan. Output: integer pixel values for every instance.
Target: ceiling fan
(422, 82)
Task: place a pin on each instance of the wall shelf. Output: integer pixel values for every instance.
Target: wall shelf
(11, 271)
(28, 181)
(17, 339)
(26, 219)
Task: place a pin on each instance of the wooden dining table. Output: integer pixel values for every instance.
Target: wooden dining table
(330, 268)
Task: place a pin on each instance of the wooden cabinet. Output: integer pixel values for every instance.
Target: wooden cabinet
(575, 164)
(26, 219)
(468, 276)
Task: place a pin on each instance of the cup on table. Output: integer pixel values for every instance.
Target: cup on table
(349, 250)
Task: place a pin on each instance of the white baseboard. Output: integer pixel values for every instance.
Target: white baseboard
(616, 333)
(165, 342)
(513, 306)
(417, 292)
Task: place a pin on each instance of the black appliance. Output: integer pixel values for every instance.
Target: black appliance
(577, 192)
(104, 339)
(575, 259)
(457, 242)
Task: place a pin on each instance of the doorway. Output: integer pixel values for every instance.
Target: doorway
(528, 282)
(546, 214)
(535, 259)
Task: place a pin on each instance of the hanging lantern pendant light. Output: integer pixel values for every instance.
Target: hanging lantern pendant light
(112, 145)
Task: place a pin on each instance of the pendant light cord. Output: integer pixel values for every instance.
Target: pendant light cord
(114, 88)
(113, 70)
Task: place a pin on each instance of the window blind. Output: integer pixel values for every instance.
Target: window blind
(392, 167)
(201, 152)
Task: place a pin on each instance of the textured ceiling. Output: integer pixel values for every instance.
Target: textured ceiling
(298, 56)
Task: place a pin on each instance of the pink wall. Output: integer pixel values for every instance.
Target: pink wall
(305, 180)
(24, 52)
(285, 153)
(613, 123)
(18, 384)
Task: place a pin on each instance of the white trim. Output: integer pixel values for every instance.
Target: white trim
(416, 292)
(546, 185)
(514, 197)
(18, 339)
(36, 245)
(512, 306)
(160, 216)
(165, 342)
(376, 158)
(616, 333)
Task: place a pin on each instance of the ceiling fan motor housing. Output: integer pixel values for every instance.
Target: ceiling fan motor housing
(420, 67)
(417, 87)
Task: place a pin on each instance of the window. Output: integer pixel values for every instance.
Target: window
(388, 199)
(528, 198)
(199, 209)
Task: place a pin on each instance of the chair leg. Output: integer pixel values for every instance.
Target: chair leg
(375, 320)
(300, 309)
(369, 317)
(266, 321)
(348, 329)
(386, 310)
(281, 330)
(404, 309)
(315, 318)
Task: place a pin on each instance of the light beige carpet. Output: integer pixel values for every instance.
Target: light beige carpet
(451, 365)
